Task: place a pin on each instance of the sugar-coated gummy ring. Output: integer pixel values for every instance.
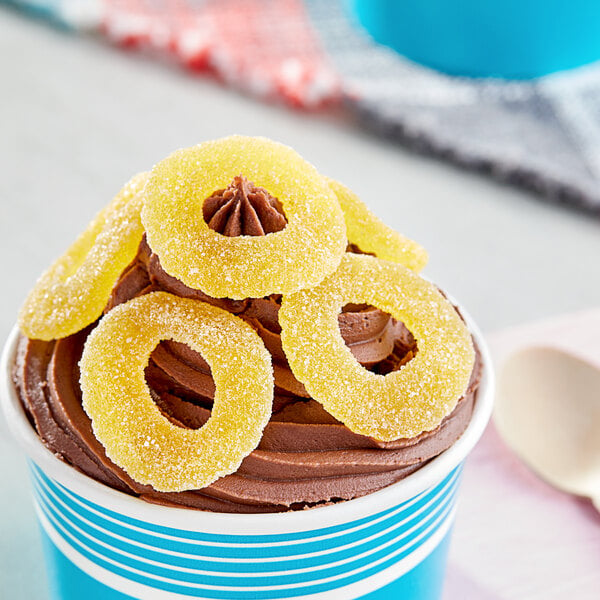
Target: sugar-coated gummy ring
(129, 424)
(372, 235)
(301, 255)
(73, 292)
(401, 404)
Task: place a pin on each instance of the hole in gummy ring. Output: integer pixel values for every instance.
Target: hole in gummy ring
(181, 384)
(243, 209)
(378, 341)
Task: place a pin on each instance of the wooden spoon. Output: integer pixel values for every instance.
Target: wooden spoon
(548, 412)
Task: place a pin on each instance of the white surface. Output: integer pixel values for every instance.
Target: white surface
(78, 118)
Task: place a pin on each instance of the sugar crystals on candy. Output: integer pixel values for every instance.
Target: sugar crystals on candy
(401, 404)
(372, 235)
(301, 255)
(73, 292)
(129, 424)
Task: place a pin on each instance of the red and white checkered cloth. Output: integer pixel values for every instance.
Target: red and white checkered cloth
(265, 47)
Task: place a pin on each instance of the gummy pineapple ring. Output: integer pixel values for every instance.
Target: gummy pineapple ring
(401, 404)
(125, 419)
(371, 234)
(72, 293)
(301, 255)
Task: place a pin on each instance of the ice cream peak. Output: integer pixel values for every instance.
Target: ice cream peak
(243, 209)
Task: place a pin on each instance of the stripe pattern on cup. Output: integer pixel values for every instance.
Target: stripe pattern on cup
(146, 560)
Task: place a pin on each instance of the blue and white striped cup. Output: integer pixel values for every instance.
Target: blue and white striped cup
(101, 544)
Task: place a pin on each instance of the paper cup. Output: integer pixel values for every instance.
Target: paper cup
(103, 544)
(512, 39)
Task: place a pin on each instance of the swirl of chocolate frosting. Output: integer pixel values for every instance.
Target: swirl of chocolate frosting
(243, 209)
(305, 458)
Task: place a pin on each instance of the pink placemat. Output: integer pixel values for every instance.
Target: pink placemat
(516, 537)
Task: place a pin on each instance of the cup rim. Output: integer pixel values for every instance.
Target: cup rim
(206, 521)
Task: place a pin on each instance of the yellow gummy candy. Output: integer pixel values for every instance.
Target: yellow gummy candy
(372, 235)
(401, 404)
(129, 424)
(302, 254)
(73, 292)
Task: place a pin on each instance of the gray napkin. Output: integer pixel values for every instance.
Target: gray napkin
(543, 135)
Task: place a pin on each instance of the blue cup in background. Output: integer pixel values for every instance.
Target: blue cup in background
(511, 39)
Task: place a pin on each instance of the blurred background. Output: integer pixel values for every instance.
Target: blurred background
(475, 131)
